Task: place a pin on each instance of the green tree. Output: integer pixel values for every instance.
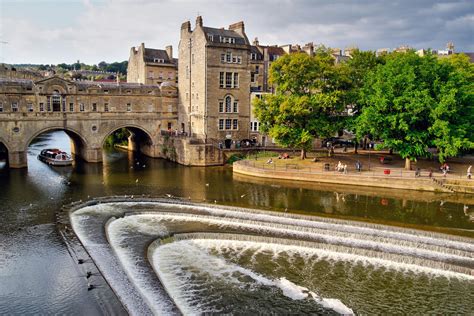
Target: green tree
(414, 102)
(308, 100)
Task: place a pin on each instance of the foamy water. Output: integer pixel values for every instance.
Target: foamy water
(183, 263)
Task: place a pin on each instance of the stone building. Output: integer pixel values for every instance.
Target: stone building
(214, 83)
(152, 66)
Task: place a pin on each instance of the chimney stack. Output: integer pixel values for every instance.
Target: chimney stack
(199, 21)
(169, 52)
(186, 26)
(238, 27)
(255, 42)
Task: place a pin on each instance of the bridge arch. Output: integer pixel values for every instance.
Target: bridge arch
(140, 139)
(79, 143)
(4, 150)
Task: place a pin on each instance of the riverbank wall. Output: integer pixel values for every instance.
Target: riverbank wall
(381, 180)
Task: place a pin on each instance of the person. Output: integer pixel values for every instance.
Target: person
(358, 166)
(345, 168)
(339, 166)
(431, 173)
(469, 173)
(269, 161)
(417, 172)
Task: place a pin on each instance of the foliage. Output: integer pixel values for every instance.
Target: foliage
(119, 137)
(309, 97)
(412, 102)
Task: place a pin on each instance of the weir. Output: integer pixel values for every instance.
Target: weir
(189, 269)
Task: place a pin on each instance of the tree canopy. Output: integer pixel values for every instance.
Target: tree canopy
(413, 102)
(309, 96)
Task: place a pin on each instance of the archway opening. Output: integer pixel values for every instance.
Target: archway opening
(132, 139)
(63, 140)
(3, 156)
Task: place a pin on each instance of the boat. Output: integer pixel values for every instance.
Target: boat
(55, 157)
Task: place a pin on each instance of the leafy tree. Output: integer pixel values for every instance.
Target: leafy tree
(453, 112)
(308, 99)
(413, 102)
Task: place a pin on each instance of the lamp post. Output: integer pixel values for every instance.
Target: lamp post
(370, 146)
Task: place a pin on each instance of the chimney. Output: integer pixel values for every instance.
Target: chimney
(238, 27)
(255, 42)
(169, 52)
(199, 21)
(186, 26)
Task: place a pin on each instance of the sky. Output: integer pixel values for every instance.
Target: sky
(56, 31)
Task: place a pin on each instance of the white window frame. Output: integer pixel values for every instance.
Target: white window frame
(71, 107)
(15, 107)
(106, 107)
(29, 107)
(82, 108)
(41, 107)
(220, 124)
(228, 124)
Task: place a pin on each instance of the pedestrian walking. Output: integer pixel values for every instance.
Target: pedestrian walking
(469, 173)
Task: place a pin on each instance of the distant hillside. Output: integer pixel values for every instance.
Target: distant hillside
(120, 67)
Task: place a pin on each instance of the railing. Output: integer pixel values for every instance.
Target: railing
(328, 169)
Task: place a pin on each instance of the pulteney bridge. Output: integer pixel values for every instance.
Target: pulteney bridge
(91, 111)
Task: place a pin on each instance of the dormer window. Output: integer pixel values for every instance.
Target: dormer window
(210, 37)
(227, 40)
(158, 60)
(253, 56)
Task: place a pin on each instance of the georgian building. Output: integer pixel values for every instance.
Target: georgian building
(214, 82)
(55, 94)
(152, 66)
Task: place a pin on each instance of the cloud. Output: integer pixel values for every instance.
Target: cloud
(105, 30)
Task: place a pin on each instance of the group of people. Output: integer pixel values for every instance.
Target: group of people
(341, 167)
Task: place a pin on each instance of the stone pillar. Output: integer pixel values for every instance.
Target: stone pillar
(132, 145)
(92, 154)
(17, 159)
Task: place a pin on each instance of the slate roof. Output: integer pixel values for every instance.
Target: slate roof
(239, 39)
(151, 54)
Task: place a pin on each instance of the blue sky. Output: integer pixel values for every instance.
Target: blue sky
(54, 31)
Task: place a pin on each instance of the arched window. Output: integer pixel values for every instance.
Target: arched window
(56, 100)
(228, 104)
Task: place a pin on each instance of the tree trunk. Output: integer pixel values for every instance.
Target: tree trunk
(390, 152)
(303, 154)
(407, 164)
(356, 146)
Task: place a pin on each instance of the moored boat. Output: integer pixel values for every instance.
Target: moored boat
(55, 157)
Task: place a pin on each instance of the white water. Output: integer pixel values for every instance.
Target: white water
(409, 250)
(190, 254)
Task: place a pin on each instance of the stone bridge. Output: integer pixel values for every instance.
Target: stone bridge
(91, 111)
(88, 133)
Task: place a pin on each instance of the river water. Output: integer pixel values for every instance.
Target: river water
(38, 276)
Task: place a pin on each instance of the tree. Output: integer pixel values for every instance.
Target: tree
(453, 113)
(414, 102)
(308, 99)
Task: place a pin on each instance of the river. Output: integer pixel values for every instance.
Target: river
(38, 276)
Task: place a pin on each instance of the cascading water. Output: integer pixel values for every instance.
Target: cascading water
(195, 259)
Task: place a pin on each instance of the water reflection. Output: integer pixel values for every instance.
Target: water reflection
(30, 197)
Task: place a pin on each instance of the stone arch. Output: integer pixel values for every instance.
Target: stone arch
(79, 144)
(4, 150)
(141, 139)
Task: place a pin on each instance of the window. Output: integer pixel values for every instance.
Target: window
(236, 80)
(48, 105)
(30, 107)
(81, 107)
(221, 80)
(221, 124)
(252, 77)
(129, 107)
(1, 107)
(106, 107)
(228, 123)
(221, 107)
(257, 69)
(71, 107)
(239, 59)
(228, 80)
(106, 91)
(236, 107)
(253, 56)
(41, 107)
(14, 107)
(235, 124)
(64, 105)
(228, 104)
(210, 37)
(254, 126)
(228, 57)
(158, 60)
(222, 58)
(94, 107)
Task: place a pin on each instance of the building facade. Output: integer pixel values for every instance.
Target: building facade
(152, 66)
(214, 83)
